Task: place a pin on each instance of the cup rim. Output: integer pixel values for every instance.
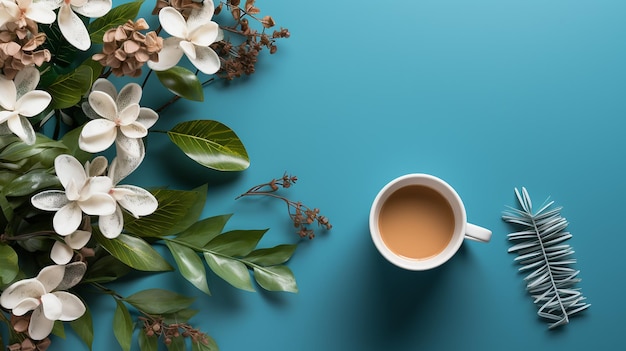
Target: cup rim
(445, 190)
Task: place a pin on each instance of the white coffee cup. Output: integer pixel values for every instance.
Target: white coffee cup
(462, 230)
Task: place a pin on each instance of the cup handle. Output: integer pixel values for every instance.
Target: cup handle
(476, 233)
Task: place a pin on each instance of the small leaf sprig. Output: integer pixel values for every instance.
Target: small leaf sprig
(301, 215)
(542, 252)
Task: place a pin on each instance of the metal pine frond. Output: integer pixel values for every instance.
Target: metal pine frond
(545, 259)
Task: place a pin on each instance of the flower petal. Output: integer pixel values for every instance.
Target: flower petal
(205, 34)
(169, 55)
(69, 169)
(72, 306)
(134, 130)
(26, 305)
(206, 60)
(10, 11)
(21, 127)
(200, 16)
(67, 219)
(9, 93)
(126, 162)
(78, 239)
(130, 94)
(173, 22)
(103, 104)
(61, 253)
(98, 205)
(51, 276)
(20, 290)
(73, 28)
(94, 8)
(111, 226)
(51, 306)
(96, 185)
(40, 13)
(188, 48)
(33, 102)
(129, 147)
(104, 85)
(137, 201)
(97, 135)
(147, 117)
(128, 115)
(26, 80)
(96, 167)
(40, 326)
(49, 200)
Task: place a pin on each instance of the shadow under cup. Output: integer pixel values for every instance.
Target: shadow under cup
(440, 192)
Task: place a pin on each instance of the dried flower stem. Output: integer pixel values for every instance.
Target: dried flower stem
(301, 215)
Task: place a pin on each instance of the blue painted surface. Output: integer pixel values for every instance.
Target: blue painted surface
(488, 95)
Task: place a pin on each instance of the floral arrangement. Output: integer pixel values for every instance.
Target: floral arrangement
(68, 218)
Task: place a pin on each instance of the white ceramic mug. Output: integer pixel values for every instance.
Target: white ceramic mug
(462, 229)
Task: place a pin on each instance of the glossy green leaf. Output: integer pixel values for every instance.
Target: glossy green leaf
(232, 271)
(31, 182)
(134, 252)
(58, 329)
(147, 343)
(177, 344)
(159, 301)
(204, 345)
(181, 316)
(190, 265)
(236, 242)
(96, 68)
(63, 53)
(203, 231)
(271, 256)
(123, 326)
(178, 210)
(106, 269)
(211, 144)
(68, 89)
(275, 278)
(83, 327)
(9, 266)
(115, 17)
(18, 151)
(182, 82)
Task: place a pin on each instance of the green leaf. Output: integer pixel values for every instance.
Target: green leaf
(199, 345)
(236, 242)
(134, 252)
(9, 266)
(96, 68)
(147, 343)
(83, 327)
(178, 210)
(211, 144)
(115, 17)
(68, 89)
(190, 265)
(123, 326)
(177, 344)
(31, 182)
(58, 329)
(105, 270)
(181, 316)
(271, 256)
(275, 278)
(64, 53)
(18, 151)
(182, 82)
(159, 301)
(203, 231)
(231, 270)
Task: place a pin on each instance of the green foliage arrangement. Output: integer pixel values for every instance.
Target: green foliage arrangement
(67, 220)
(543, 253)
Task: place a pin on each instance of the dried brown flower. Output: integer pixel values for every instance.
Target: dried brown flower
(301, 215)
(18, 49)
(183, 6)
(125, 49)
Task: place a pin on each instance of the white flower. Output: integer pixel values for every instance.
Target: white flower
(38, 295)
(116, 117)
(19, 100)
(82, 194)
(71, 26)
(63, 251)
(137, 201)
(191, 37)
(18, 10)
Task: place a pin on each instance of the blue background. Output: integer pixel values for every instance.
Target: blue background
(488, 95)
